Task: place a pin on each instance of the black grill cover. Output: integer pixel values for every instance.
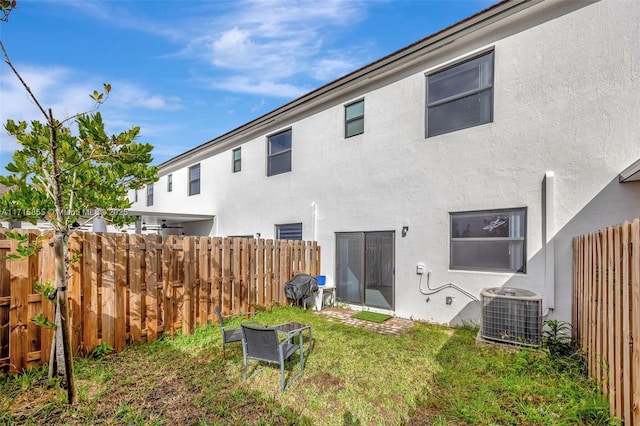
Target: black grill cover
(299, 286)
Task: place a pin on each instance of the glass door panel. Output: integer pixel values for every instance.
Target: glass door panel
(350, 266)
(379, 263)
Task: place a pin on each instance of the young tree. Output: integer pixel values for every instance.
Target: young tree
(67, 177)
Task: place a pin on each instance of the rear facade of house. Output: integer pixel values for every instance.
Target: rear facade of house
(468, 160)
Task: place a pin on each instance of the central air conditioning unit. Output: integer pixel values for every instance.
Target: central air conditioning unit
(512, 315)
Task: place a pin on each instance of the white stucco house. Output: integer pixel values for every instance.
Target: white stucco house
(467, 160)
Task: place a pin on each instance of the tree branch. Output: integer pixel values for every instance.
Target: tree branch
(27, 88)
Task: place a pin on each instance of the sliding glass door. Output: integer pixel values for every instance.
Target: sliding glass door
(365, 268)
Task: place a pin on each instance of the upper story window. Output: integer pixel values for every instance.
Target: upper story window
(460, 96)
(279, 153)
(237, 160)
(354, 119)
(169, 182)
(194, 179)
(135, 196)
(150, 194)
(490, 240)
(289, 231)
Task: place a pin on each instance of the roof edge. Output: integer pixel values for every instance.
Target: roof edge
(482, 18)
(631, 173)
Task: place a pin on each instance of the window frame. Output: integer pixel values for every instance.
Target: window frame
(281, 153)
(236, 162)
(150, 195)
(193, 180)
(279, 226)
(517, 243)
(170, 182)
(463, 94)
(348, 121)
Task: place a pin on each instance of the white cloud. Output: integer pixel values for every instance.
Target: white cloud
(264, 47)
(127, 95)
(266, 87)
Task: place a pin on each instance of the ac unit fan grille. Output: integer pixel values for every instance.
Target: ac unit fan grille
(512, 319)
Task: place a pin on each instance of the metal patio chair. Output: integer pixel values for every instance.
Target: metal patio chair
(263, 344)
(230, 332)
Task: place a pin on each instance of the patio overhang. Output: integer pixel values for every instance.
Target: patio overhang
(155, 221)
(631, 173)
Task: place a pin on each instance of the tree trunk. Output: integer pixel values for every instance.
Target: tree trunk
(60, 241)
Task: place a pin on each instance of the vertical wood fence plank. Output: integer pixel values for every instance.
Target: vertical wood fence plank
(611, 310)
(245, 294)
(168, 279)
(188, 248)
(108, 290)
(575, 307)
(617, 276)
(90, 283)
(626, 327)
(235, 260)
(151, 261)
(48, 275)
(75, 292)
(121, 242)
(269, 272)
(205, 284)
(34, 307)
(227, 283)
(260, 271)
(635, 322)
(216, 273)
(135, 288)
(18, 311)
(251, 265)
(277, 265)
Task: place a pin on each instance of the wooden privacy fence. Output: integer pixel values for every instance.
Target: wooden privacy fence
(131, 288)
(606, 313)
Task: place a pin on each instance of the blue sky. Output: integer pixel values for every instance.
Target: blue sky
(189, 71)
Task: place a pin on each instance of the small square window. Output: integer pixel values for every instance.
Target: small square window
(354, 119)
(460, 96)
(170, 183)
(150, 194)
(490, 240)
(194, 179)
(237, 160)
(279, 153)
(289, 231)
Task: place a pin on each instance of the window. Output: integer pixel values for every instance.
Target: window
(491, 240)
(237, 160)
(194, 179)
(279, 155)
(150, 194)
(460, 96)
(169, 182)
(289, 231)
(354, 119)
(135, 195)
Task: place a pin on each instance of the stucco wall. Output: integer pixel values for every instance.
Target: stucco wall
(565, 100)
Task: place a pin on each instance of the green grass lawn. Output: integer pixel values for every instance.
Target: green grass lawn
(431, 375)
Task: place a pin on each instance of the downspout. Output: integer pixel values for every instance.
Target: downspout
(313, 221)
(549, 231)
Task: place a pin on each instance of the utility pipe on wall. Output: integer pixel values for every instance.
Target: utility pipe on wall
(549, 242)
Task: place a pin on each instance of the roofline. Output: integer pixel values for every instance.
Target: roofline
(631, 173)
(403, 56)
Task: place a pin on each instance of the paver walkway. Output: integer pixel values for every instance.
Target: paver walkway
(393, 325)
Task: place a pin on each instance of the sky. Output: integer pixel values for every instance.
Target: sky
(188, 71)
